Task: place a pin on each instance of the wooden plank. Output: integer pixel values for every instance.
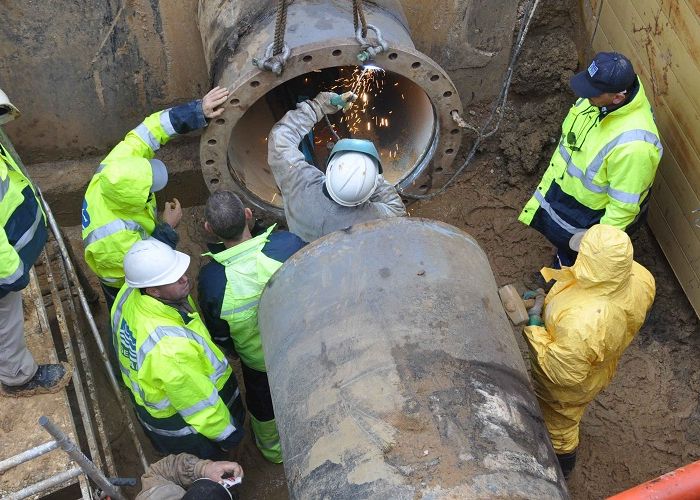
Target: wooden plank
(688, 280)
(676, 143)
(649, 28)
(681, 228)
(688, 132)
(684, 23)
(682, 191)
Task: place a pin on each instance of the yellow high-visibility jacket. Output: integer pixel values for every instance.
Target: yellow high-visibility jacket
(118, 208)
(22, 226)
(601, 172)
(180, 381)
(591, 315)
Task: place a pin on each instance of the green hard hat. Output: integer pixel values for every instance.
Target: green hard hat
(357, 146)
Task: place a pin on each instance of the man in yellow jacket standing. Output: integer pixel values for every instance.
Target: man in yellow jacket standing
(606, 160)
(591, 314)
(119, 207)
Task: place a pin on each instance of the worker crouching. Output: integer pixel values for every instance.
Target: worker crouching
(185, 393)
(592, 313)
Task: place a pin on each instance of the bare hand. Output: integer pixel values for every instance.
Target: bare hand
(172, 213)
(217, 470)
(213, 100)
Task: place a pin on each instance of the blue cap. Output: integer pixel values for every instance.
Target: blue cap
(609, 72)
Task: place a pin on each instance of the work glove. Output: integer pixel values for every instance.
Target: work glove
(330, 102)
(538, 295)
(535, 320)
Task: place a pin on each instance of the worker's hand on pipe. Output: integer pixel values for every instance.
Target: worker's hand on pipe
(533, 294)
(344, 101)
(172, 213)
(217, 470)
(211, 103)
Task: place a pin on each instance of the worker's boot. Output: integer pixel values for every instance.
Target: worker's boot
(567, 461)
(47, 379)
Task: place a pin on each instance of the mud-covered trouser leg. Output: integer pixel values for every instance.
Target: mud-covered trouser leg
(17, 365)
(262, 415)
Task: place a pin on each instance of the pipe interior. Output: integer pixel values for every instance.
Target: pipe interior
(392, 111)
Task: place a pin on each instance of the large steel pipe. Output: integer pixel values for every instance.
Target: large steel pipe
(394, 371)
(406, 110)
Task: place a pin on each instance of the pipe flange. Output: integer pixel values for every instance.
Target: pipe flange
(247, 88)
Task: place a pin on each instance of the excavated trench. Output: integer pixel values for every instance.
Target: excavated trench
(649, 413)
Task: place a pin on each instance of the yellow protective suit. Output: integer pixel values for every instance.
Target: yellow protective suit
(591, 315)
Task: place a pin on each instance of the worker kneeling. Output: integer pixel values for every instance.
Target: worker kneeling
(352, 190)
(185, 393)
(229, 290)
(592, 313)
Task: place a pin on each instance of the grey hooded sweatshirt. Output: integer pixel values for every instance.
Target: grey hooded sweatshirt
(310, 213)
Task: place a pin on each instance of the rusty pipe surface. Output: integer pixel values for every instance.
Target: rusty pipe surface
(408, 116)
(394, 371)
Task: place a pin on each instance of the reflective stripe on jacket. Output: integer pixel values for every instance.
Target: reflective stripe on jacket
(172, 368)
(119, 209)
(248, 270)
(601, 171)
(22, 226)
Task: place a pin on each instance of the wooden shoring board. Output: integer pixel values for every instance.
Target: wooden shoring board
(662, 38)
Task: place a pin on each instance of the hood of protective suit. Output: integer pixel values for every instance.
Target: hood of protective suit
(126, 184)
(604, 261)
(605, 258)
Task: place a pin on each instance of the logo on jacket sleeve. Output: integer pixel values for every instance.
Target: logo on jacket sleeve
(127, 345)
(86, 215)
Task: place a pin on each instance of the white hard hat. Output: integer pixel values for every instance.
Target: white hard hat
(160, 175)
(7, 110)
(351, 178)
(151, 262)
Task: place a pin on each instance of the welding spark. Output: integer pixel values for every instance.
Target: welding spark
(367, 82)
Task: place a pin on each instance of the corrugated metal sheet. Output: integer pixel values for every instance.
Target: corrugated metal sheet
(662, 39)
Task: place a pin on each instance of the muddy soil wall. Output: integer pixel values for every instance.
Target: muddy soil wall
(83, 73)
